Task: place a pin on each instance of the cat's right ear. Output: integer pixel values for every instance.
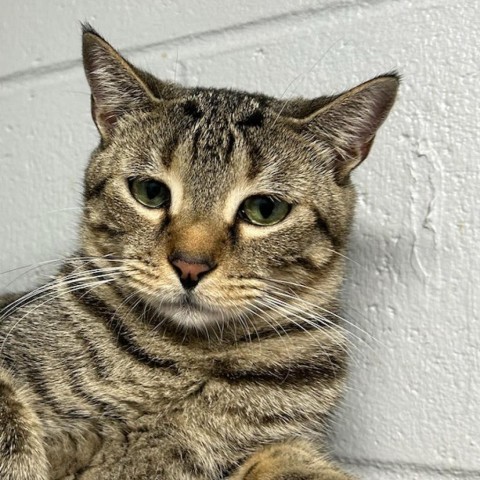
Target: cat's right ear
(346, 125)
(115, 86)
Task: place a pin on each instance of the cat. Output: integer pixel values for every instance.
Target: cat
(195, 334)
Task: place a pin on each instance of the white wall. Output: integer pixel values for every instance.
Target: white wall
(413, 409)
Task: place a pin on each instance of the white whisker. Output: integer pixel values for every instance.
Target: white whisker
(313, 305)
(60, 293)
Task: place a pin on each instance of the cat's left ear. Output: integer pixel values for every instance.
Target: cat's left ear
(347, 125)
(116, 87)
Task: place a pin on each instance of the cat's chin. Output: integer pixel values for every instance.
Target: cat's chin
(192, 316)
(194, 319)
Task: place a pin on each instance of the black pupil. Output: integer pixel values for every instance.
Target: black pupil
(153, 189)
(266, 207)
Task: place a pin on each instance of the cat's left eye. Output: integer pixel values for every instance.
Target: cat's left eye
(150, 193)
(264, 210)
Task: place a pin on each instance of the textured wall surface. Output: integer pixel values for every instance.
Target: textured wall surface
(412, 297)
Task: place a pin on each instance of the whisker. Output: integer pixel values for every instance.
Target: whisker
(309, 317)
(45, 290)
(313, 305)
(285, 314)
(273, 325)
(328, 333)
(325, 310)
(60, 294)
(38, 292)
(345, 257)
(33, 267)
(313, 320)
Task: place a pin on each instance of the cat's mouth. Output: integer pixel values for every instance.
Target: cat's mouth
(189, 311)
(188, 302)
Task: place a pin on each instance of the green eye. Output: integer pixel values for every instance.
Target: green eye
(262, 210)
(150, 193)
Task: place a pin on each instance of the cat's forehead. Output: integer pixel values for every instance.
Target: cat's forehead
(213, 135)
(224, 105)
(213, 154)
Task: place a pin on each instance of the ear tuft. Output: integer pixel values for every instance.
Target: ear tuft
(115, 85)
(87, 28)
(348, 124)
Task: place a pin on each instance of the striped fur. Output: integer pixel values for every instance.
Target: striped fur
(112, 371)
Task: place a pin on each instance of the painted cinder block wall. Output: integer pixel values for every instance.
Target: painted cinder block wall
(412, 296)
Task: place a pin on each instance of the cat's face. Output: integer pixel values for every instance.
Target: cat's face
(223, 204)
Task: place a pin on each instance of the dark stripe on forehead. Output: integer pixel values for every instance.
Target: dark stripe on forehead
(196, 136)
(230, 145)
(166, 155)
(191, 109)
(255, 156)
(255, 119)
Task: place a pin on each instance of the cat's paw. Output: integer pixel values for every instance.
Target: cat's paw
(263, 473)
(22, 455)
(283, 463)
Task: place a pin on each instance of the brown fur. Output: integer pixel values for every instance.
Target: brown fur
(112, 371)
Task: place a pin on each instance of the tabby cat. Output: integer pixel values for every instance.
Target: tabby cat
(195, 334)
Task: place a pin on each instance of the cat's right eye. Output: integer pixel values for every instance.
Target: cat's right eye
(150, 193)
(263, 210)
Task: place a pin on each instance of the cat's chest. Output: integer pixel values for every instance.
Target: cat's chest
(194, 404)
(116, 415)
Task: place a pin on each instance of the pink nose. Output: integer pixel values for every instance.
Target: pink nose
(190, 270)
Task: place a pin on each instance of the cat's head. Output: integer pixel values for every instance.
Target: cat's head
(223, 204)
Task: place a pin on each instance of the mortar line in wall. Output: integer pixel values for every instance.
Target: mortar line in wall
(399, 466)
(210, 37)
(207, 36)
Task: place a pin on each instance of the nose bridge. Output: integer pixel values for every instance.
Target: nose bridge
(195, 249)
(197, 238)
